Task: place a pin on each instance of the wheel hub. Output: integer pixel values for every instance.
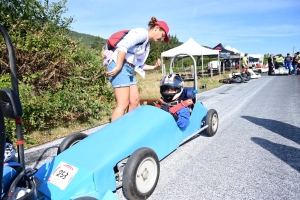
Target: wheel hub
(214, 122)
(145, 174)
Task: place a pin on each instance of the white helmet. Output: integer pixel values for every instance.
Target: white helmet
(173, 81)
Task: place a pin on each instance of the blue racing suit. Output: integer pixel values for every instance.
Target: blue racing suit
(182, 116)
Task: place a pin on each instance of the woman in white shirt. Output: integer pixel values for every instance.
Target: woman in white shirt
(131, 54)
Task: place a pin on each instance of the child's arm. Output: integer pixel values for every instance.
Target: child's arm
(183, 117)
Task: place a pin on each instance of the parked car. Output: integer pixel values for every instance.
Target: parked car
(260, 68)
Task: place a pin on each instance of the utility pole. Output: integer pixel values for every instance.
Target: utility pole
(293, 51)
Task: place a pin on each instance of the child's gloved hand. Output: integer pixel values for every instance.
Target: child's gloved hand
(165, 107)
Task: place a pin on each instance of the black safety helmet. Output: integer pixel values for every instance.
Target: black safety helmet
(173, 81)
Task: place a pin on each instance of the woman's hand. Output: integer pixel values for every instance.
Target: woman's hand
(120, 60)
(157, 64)
(113, 72)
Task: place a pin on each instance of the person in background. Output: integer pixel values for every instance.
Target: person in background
(287, 62)
(171, 88)
(298, 69)
(245, 62)
(131, 53)
(298, 66)
(270, 64)
(295, 63)
(279, 61)
(237, 66)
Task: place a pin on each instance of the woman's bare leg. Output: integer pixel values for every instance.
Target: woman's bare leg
(134, 97)
(122, 100)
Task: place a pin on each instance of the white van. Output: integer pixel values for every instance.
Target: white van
(213, 65)
(256, 59)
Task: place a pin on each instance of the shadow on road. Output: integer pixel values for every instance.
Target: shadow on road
(287, 131)
(289, 155)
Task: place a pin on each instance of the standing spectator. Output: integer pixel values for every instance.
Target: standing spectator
(287, 62)
(295, 63)
(131, 53)
(298, 67)
(279, 61)
(270, 64)
(245, 62)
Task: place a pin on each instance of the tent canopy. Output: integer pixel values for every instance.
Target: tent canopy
(228, 52)
(223, 52)
(234, 50)
(190, 47)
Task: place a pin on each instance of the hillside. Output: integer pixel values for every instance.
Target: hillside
(87, 39)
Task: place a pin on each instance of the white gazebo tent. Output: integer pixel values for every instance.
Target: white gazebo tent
(234, 50)
(190, 47)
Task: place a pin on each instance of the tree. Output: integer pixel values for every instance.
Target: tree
(158, 47)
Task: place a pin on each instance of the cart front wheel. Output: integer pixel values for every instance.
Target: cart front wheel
(212, 120)
(141, 174)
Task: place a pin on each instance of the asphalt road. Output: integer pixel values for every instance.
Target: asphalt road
(254, 155)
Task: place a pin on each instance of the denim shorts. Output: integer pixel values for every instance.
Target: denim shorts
(124, 78)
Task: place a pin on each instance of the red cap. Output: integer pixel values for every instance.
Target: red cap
(164, 26)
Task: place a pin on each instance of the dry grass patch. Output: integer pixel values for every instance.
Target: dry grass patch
(149, 86)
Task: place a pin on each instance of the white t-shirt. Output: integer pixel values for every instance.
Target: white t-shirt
(136, 46)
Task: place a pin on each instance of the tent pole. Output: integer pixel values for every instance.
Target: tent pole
(218, 63)
(202, 67)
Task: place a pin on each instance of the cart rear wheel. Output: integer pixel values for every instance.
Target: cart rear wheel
(141, 174)
(212, 120)
(70, 140)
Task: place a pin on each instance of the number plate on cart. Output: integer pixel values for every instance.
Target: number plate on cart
(63, 175)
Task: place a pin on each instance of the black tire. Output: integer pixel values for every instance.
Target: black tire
(143, 162)
(259, 71)
(239, 79)
(70, 140)
(212, 120)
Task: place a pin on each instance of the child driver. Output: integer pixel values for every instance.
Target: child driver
(171, 88)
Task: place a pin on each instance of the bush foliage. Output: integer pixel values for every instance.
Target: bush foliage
(60, 81)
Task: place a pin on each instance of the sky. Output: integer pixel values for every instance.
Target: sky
(250, 26)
